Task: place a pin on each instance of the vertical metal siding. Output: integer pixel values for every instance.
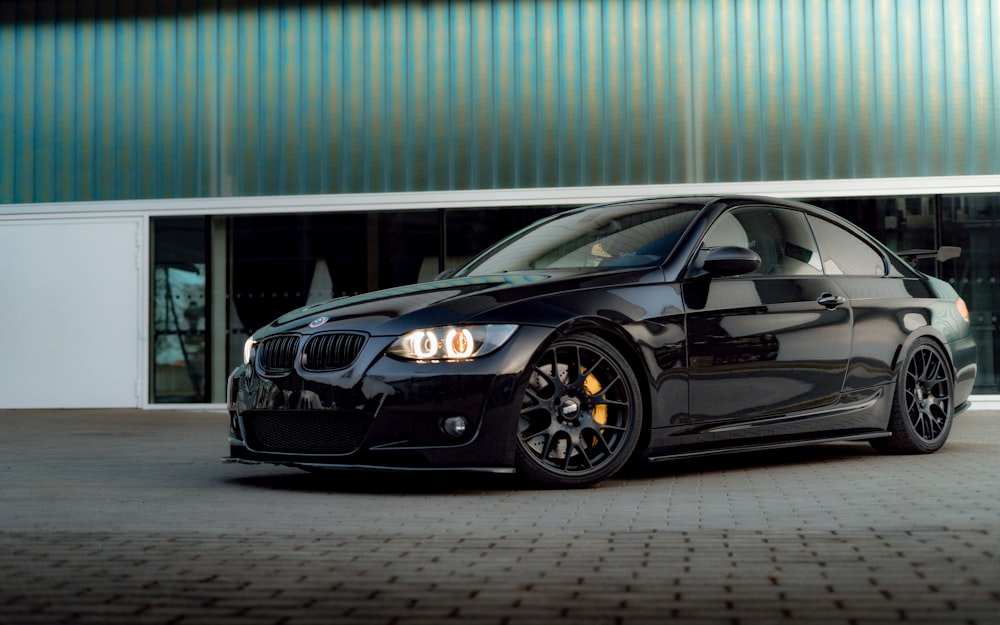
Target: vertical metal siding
(175, 98)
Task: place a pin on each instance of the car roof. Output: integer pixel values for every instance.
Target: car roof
(705, 200)
(724, 202)
(730, 200)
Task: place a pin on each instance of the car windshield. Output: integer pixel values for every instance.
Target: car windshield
(628, 235)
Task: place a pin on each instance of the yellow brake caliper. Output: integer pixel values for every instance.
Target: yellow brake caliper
(593, 387)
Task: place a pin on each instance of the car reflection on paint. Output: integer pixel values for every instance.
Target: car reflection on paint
(641, 330)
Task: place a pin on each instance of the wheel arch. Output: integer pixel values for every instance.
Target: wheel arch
(623, 342)
(916, 422)
(928, 332)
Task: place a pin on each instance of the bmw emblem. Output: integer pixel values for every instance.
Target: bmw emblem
(318, 322)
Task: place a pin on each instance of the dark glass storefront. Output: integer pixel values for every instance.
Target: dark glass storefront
(179, 332)
(217, 279)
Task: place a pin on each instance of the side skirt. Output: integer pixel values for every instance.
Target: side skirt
(765, 446)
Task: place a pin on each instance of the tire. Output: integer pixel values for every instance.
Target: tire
(581, 414)
(923, 407)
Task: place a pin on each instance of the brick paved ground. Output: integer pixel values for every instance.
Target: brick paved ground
(128, 517)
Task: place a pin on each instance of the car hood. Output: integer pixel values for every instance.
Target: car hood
(427, 304)
(400, 309)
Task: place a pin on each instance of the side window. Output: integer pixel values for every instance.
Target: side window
(845, 254)
(781, 238)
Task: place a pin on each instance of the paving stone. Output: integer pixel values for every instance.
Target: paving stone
(128, 517)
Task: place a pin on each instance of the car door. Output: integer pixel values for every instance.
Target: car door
(769, 343)
(881, 295)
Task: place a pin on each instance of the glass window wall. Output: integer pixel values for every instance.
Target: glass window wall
(973, 223)
(179, 347)
(251, 269)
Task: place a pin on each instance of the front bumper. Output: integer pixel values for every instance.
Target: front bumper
(383, 413)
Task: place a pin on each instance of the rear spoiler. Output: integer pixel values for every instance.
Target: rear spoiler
(942, 254)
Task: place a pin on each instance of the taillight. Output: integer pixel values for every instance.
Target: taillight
(962, 309)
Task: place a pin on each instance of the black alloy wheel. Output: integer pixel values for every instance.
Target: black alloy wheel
(923, 409)
(581, 414)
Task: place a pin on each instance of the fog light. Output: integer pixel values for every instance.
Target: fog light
(454, 426)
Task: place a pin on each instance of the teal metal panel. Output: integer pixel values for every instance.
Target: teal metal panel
(9, 61)
(178, 98)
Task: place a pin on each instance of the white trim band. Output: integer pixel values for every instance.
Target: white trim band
(495, 198)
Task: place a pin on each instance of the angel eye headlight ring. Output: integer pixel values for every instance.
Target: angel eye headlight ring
(458, 343)
(423, 343)
(452, 343)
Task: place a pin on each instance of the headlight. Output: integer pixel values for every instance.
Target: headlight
(248, 350)
(452, 342)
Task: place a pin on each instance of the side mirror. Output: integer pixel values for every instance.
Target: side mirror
(730, 260)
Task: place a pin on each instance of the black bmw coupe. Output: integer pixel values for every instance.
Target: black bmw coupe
(641, 330)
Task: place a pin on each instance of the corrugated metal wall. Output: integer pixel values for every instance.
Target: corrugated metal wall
(201, 98)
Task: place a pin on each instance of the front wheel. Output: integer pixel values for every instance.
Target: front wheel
(923, 408)
(581, 414)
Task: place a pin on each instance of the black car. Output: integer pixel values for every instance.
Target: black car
(649, 329)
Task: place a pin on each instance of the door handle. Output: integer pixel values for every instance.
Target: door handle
(831, 301)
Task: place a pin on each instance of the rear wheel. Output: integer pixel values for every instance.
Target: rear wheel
(923, 408)
(581, 414)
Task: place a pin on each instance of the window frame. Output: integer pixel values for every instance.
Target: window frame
(859, 235)
(782, 212)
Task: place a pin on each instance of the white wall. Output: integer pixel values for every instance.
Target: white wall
(70, 308)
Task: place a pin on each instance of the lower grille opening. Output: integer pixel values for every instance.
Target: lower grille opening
(326, 433)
